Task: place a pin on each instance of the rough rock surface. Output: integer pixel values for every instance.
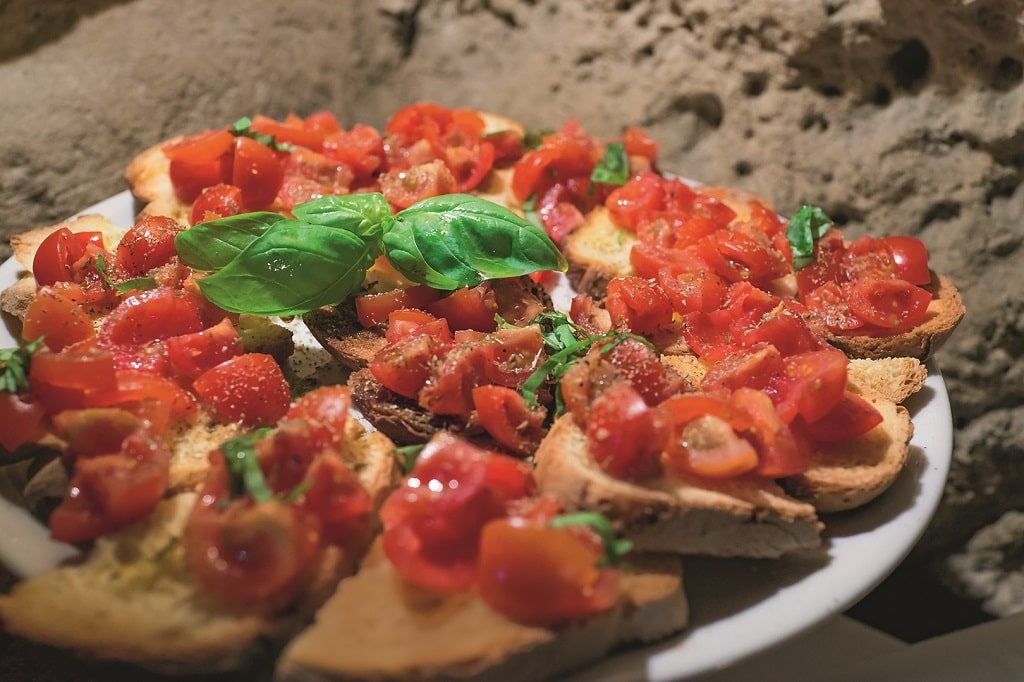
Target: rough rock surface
(894, 115)
(992, 566)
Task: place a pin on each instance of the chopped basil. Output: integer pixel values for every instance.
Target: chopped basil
(408, 454)
(243, 128)
(613, 168)
(534, 138)
(15, 364)
(101, 267)
(244, 466)
(614, 548)
(807, 225)
(136, 284)
(297, 492)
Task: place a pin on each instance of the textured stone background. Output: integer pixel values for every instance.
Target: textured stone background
(894, 115)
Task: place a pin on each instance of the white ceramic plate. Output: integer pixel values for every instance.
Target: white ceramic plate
(738, 607)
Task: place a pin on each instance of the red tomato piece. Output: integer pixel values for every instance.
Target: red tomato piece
(323, 122)
(889, 303)
(110, 491)
(624, 435)
(542, 576)
(827, 266)
(151, 315)
(21, 420)
(472, 308)
(469, 164)
(787, 331)
(639, 143)
(300, 136)
(57, 254)
(910, 258)
(511, 478)
(829, 301)
(149, 243)
(745, 368)
(361, 149)
(708, 446)
(508, 147)
(638, 305)
(373, 309)
(559, 211)
(779, 452)
(201, 148)
(403, 188)
(512, 355)
(405, 323)
(566, 153)
(751, 253)
(199, 162)
(249, 388)
(339, 502)
(217, 201)
(325, 410)
(96, 430)
(504, 415)
(257, 173)
(192, 354)
(641, 366)
(448, 389)
(138, 392)
(58, 319)
(850, 418)
(633, 203)
(65, 380)
(404, 366)
(811, 384)
(693, 290)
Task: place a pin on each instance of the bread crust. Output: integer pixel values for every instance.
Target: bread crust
(149, 179)
(338, 330)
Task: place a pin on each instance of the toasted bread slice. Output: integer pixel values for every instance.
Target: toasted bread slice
(24, 245)
(944, 313)
(338, 330)
(461, 637)
(149, 178)
(132, 598)
(399, 418)
(742, 517)
(847, 475)
(597, 251)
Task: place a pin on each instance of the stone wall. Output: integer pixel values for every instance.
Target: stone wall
(894, 115)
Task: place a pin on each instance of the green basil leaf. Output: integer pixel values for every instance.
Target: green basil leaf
(535, 138)
(614, 548)
(613, 168)
(136, 284)
(14, 366)
(807, 225)
(101, 267)
(458, 240)
(241, 126)
(293, 268)
(408, 454)
(244, 466)
(215, 243)
(362, 214)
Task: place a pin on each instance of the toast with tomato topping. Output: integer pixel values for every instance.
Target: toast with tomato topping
(132, 598)
(357, 632)
(850, 474)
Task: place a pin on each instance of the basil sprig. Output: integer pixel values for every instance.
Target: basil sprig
(807, 225)
(135, 284)
(614, 548)
(613, 168)
(14, 366)
(266, 264)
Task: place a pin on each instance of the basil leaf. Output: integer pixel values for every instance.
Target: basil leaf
(244, 466)
(215, 243)
(101, 267)
(293, 268)
(408, 455)
(14, 366)
(614, 548)
(457, 240)
(362, 214)
(613, 168)
(535, 138)
(136, 284)
(806, 226)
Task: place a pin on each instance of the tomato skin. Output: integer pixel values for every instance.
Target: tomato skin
(753, 368)
(692, 291)
(57, 254)
(624, 435)
(403, 366)
(780, 454)
(542, 576)
(631, 204)
(826, 267)
(96, 430)
(65, 380)
(471, 308)
(149, 316)
(638, 305)
(566, 153)
(149, 243)
(361, 149)
(200, 148)
(216, 201)
(850, 418)
(323, 122)
(508, 147)
(708, 446)
(300, 136)
(470, 164)
(257, 173)
(403, 188)
(57, 318)
(504, 415)
(21, 420)
(249, 388)
(639, 143)
(830, 303)
(192, 354)
(373, 309)
(910, 258)
(199, 162)
(810, 385)
(751, 254)
(110, 491)
(642, 367)
(889, 303)
(448, 389)
(511, 355)
(325, 410)
(156, 399)
(787, 331)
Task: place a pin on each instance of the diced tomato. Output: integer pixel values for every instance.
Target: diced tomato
(889, 303)
(325, 410)
(511, 478)
(693, 290)
(403, 366)
(512, 355)
(469, 164)
(361, 149)
(827, 265)
(200, 161)
(65, 380)
(150, 315)
(300, 136)
(830, 302)
(55, 317)
(559, 212)
(154, 398)
(339, 502)
(472, 308)
(504, 415)
(586, 314)
(149, 243)
(638, 305)
(21, 420)
(405, 323)
(745, 368)
(96, 430)
(192, 354)
(542, 576)
(310, 175)
(257, 172)
(641, 366)
(566, 153)
(373, 309)
(779, 452)
(432, 521)
(639, 143)
(787, 331)
(403, 188)
(910, 258)
(216, 201)
(634, 202)
(451, 380)
(708, 446)
(249, 388)
(624, 435)
(323, 122)
(58, 252)
(110, 491)
(250, 555)
(201, 148)
(421, 120)
(868, 257)
(810, 384)
(751, 254)
(851, 418)
(508, 146)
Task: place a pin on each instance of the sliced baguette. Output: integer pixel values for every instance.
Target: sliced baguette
(597, 251)
(847, 475)
(399, 418)
(357, 632)
(339, 331)
(132, 598)
(742, 517)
